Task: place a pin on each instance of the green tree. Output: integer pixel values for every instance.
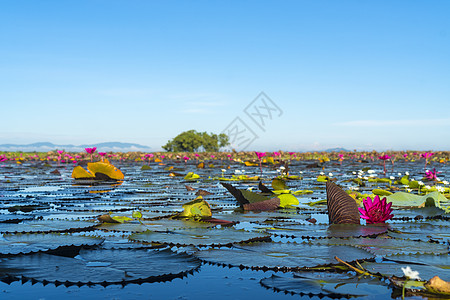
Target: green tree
(192, 140)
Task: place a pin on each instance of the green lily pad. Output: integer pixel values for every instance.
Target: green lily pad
(330, 231)
(101, 266)
(387, 246)
(413, 200)
(286, 256)
(198, 236)
(334, 285)
(35, 242)
(389, 269)
(46, 226)
(421, 231)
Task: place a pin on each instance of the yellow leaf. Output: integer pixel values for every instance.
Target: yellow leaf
(197, 208)
(270, 160)
(288, 200)
(158, 160)
(201, 165)
(80, 173)
(121, 219)
(191, 176)
(250, 164)
(438, 286)
(105, 169)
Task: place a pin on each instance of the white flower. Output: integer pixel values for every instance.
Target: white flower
(373, 175)
(437, 178)
(301, 172)
(440, 189)
(322, 173)
(427, 187)
(330, 174)
(278, 170)
(282, 168)
(366, 178)
(408, 272)
(223, 170)
(409, 190)
(237, 171)
(399, 174)
(242, 171)
(354, 173)
(420, 183)
(445, 182)
(392, 177)
(370, 171)
(407, 173)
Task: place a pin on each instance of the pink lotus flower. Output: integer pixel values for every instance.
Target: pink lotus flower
(427, 155)
(431, 175)
(60, 151)
(277, 154)
(3, 158)
(90, 150)
(102, 153)
(376, 211)
(186, 158)
(384, 157)
(260, 155)
(213, 156)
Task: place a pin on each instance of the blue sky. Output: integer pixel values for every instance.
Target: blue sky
(354, 74)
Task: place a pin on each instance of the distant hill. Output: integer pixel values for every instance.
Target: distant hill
(337, 150)
(47, 146)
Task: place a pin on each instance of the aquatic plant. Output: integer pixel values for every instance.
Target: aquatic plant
(260, 155)
(90, 151)
(376, 210)
(384, 158)
(426, 155)
(431, 175)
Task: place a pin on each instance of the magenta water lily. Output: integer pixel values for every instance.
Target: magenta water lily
(384, 158)
(431, 175)
(376, 210)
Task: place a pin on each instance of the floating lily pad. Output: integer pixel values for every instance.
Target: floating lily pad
(327, 284)
(421, 231)
(104, 266)
(46, 226)
(287, 256)
(431, 199)
(389, 269)
(198, 236)
(12, 218)
(35, 242)
(329, 231)
(387, 246)
(156, 225)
